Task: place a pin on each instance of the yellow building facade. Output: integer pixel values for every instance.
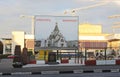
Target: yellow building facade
(91, 33)
(92, 40)
(90, 29)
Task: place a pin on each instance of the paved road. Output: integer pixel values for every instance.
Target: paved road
(7, 67)
(71, 75)
(4, 68)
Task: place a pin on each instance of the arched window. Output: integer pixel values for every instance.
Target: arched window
(62, 45)
(62, 40)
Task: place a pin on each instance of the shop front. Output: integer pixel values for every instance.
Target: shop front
(63, 55)
(99, 53)
(94, 51)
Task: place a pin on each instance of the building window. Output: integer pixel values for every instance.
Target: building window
(62, 40)
(74, 45)
(48, 45)
(38, 43)
(8, 47)
(62, 45)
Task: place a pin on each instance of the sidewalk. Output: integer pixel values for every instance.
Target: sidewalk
(41, 63)
(72, 67)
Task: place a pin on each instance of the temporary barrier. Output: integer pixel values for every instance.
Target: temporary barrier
(65, 60)
(102, 62)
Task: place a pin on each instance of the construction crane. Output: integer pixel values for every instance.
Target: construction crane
(116, 24)
(114, 16)
(72, 11)
(33, 22)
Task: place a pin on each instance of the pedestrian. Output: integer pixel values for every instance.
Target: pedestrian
(97, 54)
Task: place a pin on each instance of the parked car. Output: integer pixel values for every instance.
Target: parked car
(16, 61)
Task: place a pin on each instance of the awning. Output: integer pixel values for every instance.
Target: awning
(94, 45)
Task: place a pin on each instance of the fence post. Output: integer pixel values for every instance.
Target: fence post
(105, 54)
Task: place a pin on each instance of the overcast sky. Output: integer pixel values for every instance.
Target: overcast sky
(10, 11)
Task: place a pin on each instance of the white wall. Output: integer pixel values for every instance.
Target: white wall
(17, 39)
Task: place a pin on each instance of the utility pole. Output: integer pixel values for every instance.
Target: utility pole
(33, 23)
(32, 28)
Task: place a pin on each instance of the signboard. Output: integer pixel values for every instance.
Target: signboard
(56, 31)
(94, 45)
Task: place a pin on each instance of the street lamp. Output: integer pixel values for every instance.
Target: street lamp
(33, 22)
(33, 27)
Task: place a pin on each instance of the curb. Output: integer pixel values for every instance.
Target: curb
(62, 72)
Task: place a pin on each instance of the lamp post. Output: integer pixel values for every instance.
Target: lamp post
(33, 22)
(32, 28)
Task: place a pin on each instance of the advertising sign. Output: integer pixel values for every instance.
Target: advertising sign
(56, 31)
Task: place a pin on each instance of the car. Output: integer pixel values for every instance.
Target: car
(17, 64)
(12, 56)
(16, 61)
